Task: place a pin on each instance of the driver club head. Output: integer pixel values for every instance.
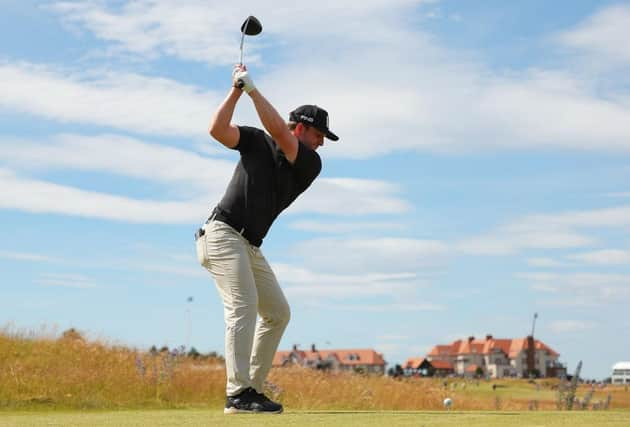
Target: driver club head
(251, 26)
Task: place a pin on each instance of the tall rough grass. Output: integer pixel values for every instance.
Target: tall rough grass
(70, 372)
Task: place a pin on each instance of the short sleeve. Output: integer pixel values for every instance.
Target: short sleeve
(250, 139)
(307, 165)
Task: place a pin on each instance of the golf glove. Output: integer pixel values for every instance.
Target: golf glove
(243, 81)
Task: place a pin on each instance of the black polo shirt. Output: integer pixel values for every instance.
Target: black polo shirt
(265, 183)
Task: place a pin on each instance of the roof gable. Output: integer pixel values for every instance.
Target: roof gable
(488, 346)
(344, 356)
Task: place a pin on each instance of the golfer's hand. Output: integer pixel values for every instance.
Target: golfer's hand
(241, 79)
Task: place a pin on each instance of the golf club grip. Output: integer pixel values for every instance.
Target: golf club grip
(240, 83)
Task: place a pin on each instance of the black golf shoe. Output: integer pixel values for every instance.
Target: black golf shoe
(249, 401)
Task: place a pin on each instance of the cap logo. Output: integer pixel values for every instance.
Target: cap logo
(308, 119)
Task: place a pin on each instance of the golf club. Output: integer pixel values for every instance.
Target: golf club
(250, 27)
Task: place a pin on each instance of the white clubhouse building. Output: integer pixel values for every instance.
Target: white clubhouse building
(621, 373)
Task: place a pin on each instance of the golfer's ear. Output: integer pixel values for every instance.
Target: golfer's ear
(299, 129)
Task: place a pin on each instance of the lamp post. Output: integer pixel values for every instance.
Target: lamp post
(189, 301)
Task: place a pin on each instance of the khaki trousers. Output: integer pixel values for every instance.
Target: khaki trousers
(248, 287)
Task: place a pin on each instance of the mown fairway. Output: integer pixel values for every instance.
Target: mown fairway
(315, 418)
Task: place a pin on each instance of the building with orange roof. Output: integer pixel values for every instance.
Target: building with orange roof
(351, 360)
(422, 365)
(494, 357)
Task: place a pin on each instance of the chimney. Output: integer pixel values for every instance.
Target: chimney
(295, 347)
(530, 354)
(470, 339)
(488, 337)
(313, 349)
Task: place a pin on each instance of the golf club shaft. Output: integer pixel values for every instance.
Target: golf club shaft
(242, 40)
(240, 83)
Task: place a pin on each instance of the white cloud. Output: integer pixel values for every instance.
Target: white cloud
(545, 263)
(196, 31)
(66, 281)
(188, 270)
(187, 171)
(588, 289)
(606, 217)
(382, 255)
(305, 282)
(545, 288)
(450, 105)
(604, 35)
(39, 196)
(604, 257)
(120, 155)
(21, 256)
(504, 242)
(546, 231)
(344, 227)
(619, 194)
(380, 308)
(351, 196)
(44, 197)
(568, 326)
(151, 105)
(209, 31)
(539, 276)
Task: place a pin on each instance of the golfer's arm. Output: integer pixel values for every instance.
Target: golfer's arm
(221, 127)
(275, 125)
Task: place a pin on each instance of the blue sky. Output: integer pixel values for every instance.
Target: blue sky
(481, 177)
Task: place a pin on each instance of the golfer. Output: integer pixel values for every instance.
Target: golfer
(274, 169)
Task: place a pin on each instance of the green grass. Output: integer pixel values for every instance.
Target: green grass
(215, 417)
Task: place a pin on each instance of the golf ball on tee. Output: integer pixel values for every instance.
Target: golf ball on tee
(448, 402)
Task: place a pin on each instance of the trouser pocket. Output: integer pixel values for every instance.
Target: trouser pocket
(202, 252)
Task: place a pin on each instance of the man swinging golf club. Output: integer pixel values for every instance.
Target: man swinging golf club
(274, 169)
